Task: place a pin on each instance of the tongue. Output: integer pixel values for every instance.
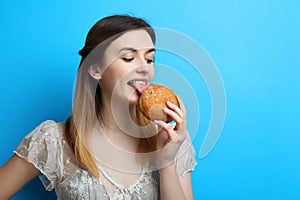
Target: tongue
(141, 88)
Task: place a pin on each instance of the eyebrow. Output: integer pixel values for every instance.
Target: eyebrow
(134, 50)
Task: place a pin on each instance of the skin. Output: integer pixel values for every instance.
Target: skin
(130, 57)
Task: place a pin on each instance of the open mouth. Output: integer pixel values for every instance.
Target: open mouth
(138, 85)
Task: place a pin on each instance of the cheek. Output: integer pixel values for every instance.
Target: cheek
(108, 80)
(114, 79)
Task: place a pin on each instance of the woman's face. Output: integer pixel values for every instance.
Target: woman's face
(129, 66)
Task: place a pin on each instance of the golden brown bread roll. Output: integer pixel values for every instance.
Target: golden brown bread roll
(154, 99)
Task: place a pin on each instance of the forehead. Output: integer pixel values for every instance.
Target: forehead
(137, 39)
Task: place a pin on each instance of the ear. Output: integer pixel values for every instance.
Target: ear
(95, 72)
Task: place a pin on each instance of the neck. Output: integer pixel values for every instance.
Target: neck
(118, 125)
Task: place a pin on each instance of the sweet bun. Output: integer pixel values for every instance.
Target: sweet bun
(154, 99)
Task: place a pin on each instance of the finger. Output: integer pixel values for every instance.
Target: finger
(167, 127)
(181, 105)
(173, 115)
(162, 124)
(174, 107)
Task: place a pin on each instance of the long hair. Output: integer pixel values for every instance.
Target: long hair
(87, 102)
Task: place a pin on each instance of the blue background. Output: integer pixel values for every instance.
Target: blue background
(255, 45)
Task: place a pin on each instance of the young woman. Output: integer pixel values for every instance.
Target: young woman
(106, 149)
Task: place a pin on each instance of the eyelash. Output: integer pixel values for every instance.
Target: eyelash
(127, 59)
(149, 61)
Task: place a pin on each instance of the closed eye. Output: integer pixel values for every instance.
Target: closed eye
(127, 59)
(149, 61)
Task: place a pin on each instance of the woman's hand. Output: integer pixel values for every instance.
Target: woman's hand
(170, 138)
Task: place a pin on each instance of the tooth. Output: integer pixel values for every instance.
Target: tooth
(139, 82)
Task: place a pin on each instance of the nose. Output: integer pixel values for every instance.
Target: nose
(144, 69)
(142, 66)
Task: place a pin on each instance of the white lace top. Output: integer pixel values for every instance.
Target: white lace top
(46, 148)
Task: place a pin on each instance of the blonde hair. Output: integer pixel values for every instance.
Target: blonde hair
(82, 120)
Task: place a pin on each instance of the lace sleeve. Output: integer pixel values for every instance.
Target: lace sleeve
(43, 148)
(186, 158)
